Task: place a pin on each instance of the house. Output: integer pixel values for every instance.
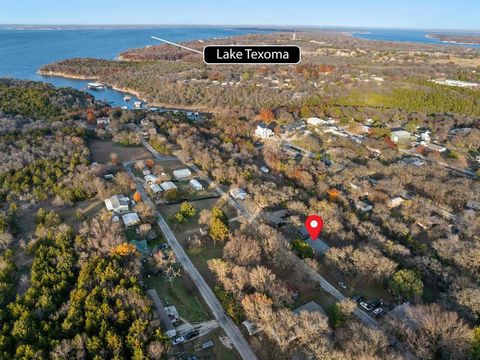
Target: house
(168, 185)
(317, 121)
(310, 307)
(295, 126)
(395, 201)
(103, 121)
(117, 203)
(303, 233)
(195, 184)
(319, 246)
(363, 206)
(399, 135)
(182, 174)
(238, 193)
(264, 132)
(168, 327)
(156, 190)
(435, 147)
(151, 179)
(146, 172)
(130, 219)
(141, 246)
(276, 218)
(252, 328)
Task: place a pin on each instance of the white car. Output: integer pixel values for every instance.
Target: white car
(342, 284)
(378, 311)
(178, 340)
(264, 169)
(366, 306)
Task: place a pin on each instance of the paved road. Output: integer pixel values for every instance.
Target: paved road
(232, 331)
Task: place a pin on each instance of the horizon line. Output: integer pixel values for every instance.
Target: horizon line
(266, 26)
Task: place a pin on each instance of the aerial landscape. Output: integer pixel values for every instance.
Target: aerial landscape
(157, 205)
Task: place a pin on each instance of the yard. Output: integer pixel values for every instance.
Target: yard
(181, 293)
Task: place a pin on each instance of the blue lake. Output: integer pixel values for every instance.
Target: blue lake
(24, 51)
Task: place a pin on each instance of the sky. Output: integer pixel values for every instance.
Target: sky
(428, 14)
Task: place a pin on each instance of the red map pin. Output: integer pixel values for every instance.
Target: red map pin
(314, 225)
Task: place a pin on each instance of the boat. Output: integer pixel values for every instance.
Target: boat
(96, 86)
(127, 98)
(137, 104)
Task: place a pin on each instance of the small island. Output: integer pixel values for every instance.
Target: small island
(456, 39)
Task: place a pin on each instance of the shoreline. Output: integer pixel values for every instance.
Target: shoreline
(127, 91)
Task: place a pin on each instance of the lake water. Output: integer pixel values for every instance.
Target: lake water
(24, 51)
(415, 36)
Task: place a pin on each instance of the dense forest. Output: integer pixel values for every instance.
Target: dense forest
(76, 302)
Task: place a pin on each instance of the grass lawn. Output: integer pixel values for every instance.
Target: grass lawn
(200, 257)
(180, 293)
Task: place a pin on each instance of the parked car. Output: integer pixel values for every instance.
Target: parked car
(366, 306)
(378, 311)
(342, 284)
(264, 169)
(178, 340)
(357, 298)
(192, 334)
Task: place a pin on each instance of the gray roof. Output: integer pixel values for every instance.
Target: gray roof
(318, 245)
(310, 307)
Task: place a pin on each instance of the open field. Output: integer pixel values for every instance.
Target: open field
(101, 150)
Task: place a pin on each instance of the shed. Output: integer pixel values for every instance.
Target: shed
(195, 184)
(130, 219)
(276, 218)
(168, 185)
(363, 206)
(182, 174)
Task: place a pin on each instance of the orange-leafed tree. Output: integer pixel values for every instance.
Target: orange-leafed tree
(124, 249)
(267, 115)
(150, 163)
(137, 197)
(333, 194)
(91, 116)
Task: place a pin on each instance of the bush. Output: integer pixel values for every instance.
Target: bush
(302, 249)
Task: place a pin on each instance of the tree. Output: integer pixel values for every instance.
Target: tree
(267, 115)
(91, 116)
(406, 284)
(137, 197)
(218, 230)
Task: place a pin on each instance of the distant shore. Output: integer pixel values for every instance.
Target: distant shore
(456, 39)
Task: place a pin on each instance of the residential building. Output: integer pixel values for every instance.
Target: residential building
(363, 206)
(315, 121)
(130, 219)
(117, 203)
(395, 201)
(103, 121)
(151, 179)
(399, 135)
(310, 307)
(238, 193)
(156, 190)
(168, 327)
(195, 184)
(182, 174)
(168, 185)
(295, 126)
(263, 131)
